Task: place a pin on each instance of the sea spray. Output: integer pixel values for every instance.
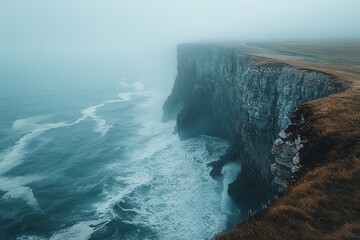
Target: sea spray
(230, 172)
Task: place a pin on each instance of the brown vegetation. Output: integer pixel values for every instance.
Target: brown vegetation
(323, 201)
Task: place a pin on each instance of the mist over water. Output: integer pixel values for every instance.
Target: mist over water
(83, 154)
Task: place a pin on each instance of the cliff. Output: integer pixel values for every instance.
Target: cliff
(248, 100)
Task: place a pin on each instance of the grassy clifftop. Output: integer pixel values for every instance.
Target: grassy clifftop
(323, 201)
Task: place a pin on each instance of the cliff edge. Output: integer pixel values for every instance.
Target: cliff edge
(247, 100)
(292, 122)
(322, 198)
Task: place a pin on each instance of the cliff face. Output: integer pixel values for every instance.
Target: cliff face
(248, 100)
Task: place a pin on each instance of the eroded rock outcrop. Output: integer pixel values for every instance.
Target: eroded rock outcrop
(248, 100)
(286, 150)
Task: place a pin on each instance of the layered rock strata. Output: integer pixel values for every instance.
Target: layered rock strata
(247, 100)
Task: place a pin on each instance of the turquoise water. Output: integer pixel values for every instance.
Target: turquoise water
(101, 165)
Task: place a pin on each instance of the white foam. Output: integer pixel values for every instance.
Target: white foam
(79, 231)
(15, 155)
(102, 127)
(230, 172)
(114, 196)
(166, 182)
(125, 96)
(139, 86)
(90, 112)
(15, 190)
(181, 200)
(27, 123)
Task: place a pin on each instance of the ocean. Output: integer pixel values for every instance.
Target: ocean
(99, 164)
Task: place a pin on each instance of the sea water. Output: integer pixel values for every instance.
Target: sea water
(101, 165)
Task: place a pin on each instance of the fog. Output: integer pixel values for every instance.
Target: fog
(57, 38)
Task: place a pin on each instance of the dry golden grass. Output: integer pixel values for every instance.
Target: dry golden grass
(323, 205)
(323, 201)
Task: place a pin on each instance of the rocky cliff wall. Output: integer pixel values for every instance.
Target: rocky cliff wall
(248, 100)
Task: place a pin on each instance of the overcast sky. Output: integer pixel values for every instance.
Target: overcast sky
(115, 26)
(48, 45)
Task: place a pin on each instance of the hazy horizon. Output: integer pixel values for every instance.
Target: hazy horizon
(121, 27)
(43, 39)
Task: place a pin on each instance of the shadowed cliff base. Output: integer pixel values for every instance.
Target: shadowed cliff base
(322, 199)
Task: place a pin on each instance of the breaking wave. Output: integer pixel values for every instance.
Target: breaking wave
(134, 180)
